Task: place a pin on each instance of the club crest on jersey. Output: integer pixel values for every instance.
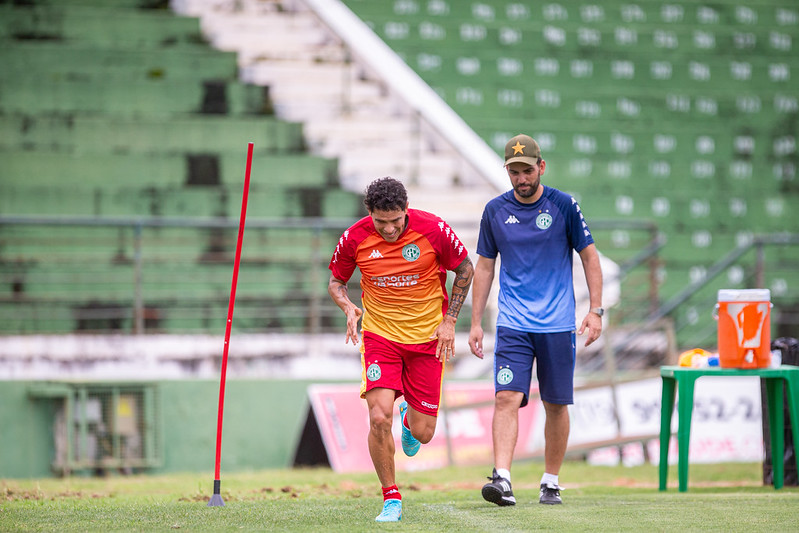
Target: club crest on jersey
(504, 376)
(411, 252)
(373, 372)
(543, 221)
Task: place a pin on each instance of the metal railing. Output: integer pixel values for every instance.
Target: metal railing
(142, 275)
(152, 275)
(148, 274)
(638, 269)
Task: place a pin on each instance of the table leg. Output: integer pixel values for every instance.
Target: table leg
(685, 407)
(792, 390)
(776, 424)
(666, 409)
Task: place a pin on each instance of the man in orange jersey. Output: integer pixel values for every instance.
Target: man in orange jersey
(408, 322)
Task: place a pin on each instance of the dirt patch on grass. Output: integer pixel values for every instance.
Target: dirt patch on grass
(11, 494)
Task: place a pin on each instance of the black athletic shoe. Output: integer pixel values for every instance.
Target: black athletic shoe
(498, 490)
(549, 495)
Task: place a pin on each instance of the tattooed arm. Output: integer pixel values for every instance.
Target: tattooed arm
(446, 330)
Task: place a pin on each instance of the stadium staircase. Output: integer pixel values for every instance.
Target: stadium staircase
(348, 110)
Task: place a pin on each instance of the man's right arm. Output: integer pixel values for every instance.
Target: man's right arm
(337, 289)
(481, 287)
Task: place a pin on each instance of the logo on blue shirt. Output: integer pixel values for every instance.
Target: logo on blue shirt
(543, 221)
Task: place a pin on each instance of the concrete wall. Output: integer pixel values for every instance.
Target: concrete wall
(263, 421)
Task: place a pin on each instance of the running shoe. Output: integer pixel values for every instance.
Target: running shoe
(392, 511)
(498, 490)
(549, 495)
(410, 444)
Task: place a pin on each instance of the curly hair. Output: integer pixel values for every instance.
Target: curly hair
(385, 194)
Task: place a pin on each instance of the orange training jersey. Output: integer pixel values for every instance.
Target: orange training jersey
(403, 282)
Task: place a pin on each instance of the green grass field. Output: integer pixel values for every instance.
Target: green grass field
(724, 497)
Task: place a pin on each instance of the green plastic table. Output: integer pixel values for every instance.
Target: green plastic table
(683, 379)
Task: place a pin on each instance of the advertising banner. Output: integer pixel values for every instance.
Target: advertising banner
(726, 424)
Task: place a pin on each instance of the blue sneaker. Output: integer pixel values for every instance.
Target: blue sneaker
(392, 511)
(410, 444)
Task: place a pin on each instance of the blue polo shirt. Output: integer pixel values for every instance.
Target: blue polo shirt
(535, 243)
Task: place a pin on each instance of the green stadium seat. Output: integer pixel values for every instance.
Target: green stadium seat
(37, 93)
(121, 135)
(99, 26)
(59, 60)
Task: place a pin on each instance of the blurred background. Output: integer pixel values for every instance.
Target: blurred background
(123, 139)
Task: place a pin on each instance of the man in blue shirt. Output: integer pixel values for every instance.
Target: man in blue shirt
(534, 229)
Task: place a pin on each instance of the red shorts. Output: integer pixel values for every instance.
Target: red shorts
(409, 369)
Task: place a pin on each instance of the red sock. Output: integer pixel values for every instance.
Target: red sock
(391, 493)
(405, 421)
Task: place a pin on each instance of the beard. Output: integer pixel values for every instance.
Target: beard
(527, 192)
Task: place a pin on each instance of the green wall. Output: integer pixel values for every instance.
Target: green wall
(263, 421)
(26, 438)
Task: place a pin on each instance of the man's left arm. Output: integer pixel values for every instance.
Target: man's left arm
(593, 278)
(445, 332)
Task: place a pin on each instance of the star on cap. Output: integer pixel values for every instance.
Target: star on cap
(518, 148)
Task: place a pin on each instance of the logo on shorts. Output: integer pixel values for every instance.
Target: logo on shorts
(373, 372)
(543, 221)
(411, 252)
(504, 376)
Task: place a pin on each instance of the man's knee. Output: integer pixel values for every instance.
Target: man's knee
(555, 409)
(380, 421)
(508, 400)
(423, 426)
(424, 434)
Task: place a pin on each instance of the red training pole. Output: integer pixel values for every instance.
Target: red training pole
(216, 499)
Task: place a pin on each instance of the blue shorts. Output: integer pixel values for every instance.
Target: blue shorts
(514, 353)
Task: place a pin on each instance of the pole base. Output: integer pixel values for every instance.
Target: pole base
(216, 499)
